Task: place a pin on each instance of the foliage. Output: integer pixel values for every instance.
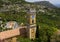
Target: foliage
(0, 29)
(45, 33)
(14, 1)
(22, 39)
(14, 17)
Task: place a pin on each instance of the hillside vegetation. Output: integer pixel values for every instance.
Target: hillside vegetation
(48, 19)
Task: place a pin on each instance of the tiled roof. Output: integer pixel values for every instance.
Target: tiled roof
(9, 33)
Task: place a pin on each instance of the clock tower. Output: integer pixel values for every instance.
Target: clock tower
(31, 23)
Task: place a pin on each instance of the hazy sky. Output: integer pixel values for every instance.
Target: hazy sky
(52, 1)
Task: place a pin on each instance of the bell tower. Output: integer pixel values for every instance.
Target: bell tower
(31, 21)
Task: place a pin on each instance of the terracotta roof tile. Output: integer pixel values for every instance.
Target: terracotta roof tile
(9, 33)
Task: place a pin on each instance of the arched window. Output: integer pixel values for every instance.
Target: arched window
(32, 18)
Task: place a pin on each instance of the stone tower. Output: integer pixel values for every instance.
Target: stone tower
(31, 21)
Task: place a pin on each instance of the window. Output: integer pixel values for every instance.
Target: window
(32, 18)
(32, 21)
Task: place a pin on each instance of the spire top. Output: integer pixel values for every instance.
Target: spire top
(31, 10)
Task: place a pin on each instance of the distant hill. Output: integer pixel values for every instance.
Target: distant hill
(49, 16)
(46, 4)
(58, 5)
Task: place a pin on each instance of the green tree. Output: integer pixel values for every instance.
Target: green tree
(45, 33)
(22, 39)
